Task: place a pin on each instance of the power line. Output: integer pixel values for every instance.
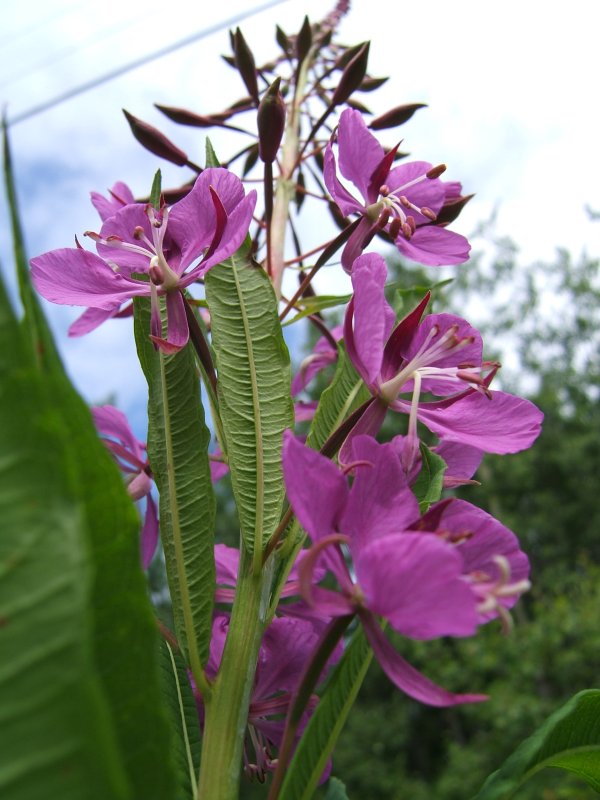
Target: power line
(140, 62)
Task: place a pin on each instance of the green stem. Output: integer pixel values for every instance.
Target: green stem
(286, 187)
(226, 709)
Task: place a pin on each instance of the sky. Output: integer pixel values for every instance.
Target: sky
(510, 89)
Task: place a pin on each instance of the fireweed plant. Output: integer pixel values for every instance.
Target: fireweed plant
(343, 539)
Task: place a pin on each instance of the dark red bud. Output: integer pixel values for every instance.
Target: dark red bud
(185, 117)
(346, 57)
(246, 66)
(395, 116)
(282, 40)
(352, 76)
(450, 211)
(358, 106)
(300, 194)
(370, 84)
(270, 120)
(303, 40)
(155, 141)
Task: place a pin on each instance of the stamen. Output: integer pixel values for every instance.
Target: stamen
(435, 172)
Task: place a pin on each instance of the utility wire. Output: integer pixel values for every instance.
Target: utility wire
(140, 62)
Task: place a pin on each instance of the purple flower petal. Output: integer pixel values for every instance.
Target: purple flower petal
(380, 501)
(373, 317)
(502, 424)
(416, 582)
(435, 246)
(406, 677)
(90, 320)
(341, 196)
(316, 488)
(359, 152)
(149, 537)
(120, 195)
(80, 278)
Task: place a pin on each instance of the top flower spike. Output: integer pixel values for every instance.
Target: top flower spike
(206, 226)
(404, 201)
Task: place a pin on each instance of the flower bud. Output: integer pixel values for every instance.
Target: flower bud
(303, 40)
(271, 122)
(395, 116)
(245, 64)
(352, 76)
(155, 141)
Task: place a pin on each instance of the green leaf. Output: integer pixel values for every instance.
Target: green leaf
(428, 486)
(569, 739)
(211, 157)
(178, 442)
(336, 790)
(253, 368)
(123, 631)
(316, 303)
(156, 190)
(36, 330)
(184, 720)
(345, 394)
(56, 735)
(321, 733)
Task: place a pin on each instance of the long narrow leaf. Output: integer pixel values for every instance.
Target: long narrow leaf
(184, 721)
(56, 736)
(253, 368)
(178, 442)
(123, 632)
(321, 733)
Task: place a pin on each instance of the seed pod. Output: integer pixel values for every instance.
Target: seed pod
(352, 76)
(270, 120)
(155, 141)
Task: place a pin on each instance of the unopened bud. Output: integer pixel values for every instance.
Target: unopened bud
(395, 116)
(303, 40)
(282, 39)
(155, 141)
(435, 172)
(352, 76)
(370, 84)
(270, 120)
(245, 64)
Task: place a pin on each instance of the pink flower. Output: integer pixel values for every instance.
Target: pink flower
(441, 575)
(404, 200)
(323, 354)
(130, 455)
(172, 248)
(440, 355)
(286, 646)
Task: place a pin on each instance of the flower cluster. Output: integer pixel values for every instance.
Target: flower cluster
(380, 553)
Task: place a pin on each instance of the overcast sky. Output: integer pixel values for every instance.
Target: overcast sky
(511, 90)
